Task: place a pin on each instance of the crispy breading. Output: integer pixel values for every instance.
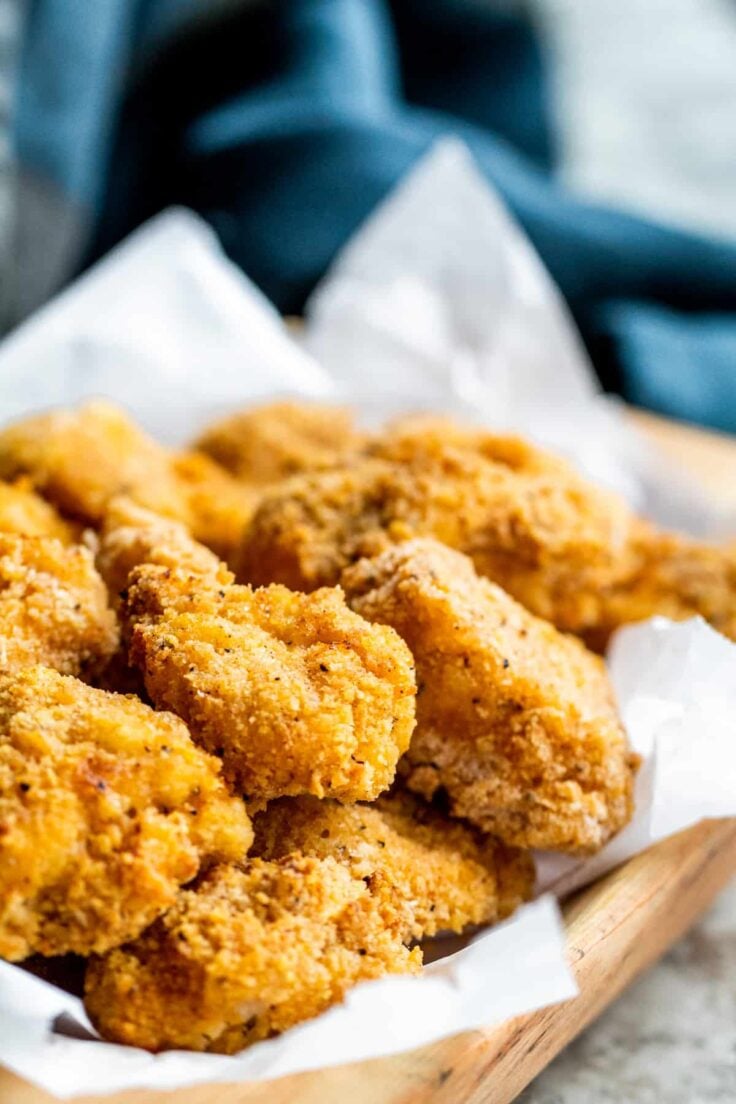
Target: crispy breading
(106, 807)
(533, 526)
(246, 954)
(216, 506)
(515, 721)
(53, 607)
(131, 535)
(437, 874)
(268, 443)
(80, 459)
(415, 435)
(674, 577)
(26, 514)
(297, 693)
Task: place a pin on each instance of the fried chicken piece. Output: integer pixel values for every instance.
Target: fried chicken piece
(53, 607)
(515, 721)
(269, 443)
(106, 808)
(530, 524)
(80, 459)
(437, 874)
(412, 436)
(297, 693)
(132, 535)
(216, 507)
(26, 514)
(246, 954)
(674, 577)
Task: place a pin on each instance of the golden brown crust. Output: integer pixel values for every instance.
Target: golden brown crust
(297, 693)
(268, 443)
(26, 514)
(53, 607)
(81, 459)
(435, 873)
(246, 954)
(106, 807)
(132, 535)
(525, 519)
(515, 721)
(216, 507)
(673, 577)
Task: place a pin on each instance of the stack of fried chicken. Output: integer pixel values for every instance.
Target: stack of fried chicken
(276, 708)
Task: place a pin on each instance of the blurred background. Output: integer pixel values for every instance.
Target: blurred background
(609, 127)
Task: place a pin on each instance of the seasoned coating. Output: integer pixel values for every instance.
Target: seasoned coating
(106, 807)
(674, 577)
(295, 692)
(266, 444)
(215, 506)
(80, 459)
(429, 435)
(246, 954)
(53, 607)
(533, 526)
(26, 514)
(515, 721)
(131, 535)
(437, 874)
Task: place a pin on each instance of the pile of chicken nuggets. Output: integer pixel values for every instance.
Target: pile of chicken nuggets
(278, 707)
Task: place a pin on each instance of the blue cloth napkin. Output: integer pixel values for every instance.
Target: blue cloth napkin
(285, 123)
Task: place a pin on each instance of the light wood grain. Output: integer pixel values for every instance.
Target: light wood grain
(615, 929)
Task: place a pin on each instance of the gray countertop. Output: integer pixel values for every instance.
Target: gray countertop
(670, 1039)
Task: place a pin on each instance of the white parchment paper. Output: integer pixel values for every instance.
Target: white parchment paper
(438, 303)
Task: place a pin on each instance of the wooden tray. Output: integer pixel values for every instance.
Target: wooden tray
(615, 930)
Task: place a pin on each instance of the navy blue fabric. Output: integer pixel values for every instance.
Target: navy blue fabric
(285, 123)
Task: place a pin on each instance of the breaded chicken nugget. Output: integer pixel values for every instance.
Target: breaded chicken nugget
(80, 459)
(674, 577)
(132, 535)
(429, 435)
(53, 607)
(296, 692)
(437, 874)
(106, 807)
(515, 722)
(266, 444)
(548, 537)
(216, 507)
(246, 954)
(26, 514)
